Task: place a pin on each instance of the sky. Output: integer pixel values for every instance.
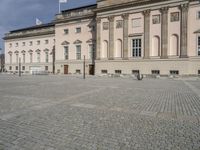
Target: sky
(16, 14)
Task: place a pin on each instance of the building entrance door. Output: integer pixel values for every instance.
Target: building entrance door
(65, 69)
(91, 69)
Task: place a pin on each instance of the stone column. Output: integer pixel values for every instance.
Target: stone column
(146, 33)
(98, 38)
(184, 28)
(164, 32)
(111, 37)
(125, 35)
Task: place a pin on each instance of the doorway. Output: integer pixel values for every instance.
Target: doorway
(65, 69)
(91, 69)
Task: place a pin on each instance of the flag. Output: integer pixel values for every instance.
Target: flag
(38, 22)
(62, 1)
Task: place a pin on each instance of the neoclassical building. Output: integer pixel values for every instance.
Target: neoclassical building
(115, 37)
(148, 36)
(32, 47)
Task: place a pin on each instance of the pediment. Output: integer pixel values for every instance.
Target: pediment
(65, 43)
(46, 50)
(30, 51)
(10, 52)
(38, 51)
(77, 42)
(90, 41)
(16, 52)
(23, 51)
(198, 31)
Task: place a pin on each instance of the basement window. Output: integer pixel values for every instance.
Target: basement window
(155, 72)
(135, 71)
(118, 71)
(174, 72)
(104, 71)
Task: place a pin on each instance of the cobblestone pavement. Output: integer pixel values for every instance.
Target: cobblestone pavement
(99, 113)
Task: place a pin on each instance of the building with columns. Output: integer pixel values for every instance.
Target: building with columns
(148, 36)
(115, 37)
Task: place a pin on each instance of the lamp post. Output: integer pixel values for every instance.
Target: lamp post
(84, 67)
(20, 67)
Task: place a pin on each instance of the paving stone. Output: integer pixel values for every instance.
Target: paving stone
(69, 113)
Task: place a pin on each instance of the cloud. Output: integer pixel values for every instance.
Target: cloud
(16, 14)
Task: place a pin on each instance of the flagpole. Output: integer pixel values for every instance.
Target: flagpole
(59, 6)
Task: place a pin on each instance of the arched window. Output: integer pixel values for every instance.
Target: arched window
(104, 53)
(174, 45)
(118, 49)
(155, 46)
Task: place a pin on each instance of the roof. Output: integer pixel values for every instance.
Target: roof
(77, 8)
(34, 27)
(198, 31)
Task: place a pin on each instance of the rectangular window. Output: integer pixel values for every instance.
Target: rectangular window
(38, 57)
(135, 71)
(78, 30)
(31, 57)
(17, 58)
(66, 52)
(104, 71)
(30, 43)
(10, 45)
(16, 44)
(119, 24)
(23, 44)
(78, 52)
(118, 71)
(23, 67)
(198, 72)
(10, 58)
(136, 22)
(16, 67)
(10, 67)
(78, 71)
(105, 25)
(137, 47)
(156, 19)
(198, 45)
(155, 72)
(46, 41)
(174, 72)
(174, 16)
(38, 42)
(46, 57)
(23, 58)
(66, 31)
(198, 15)
(91, 51)
(46, 68)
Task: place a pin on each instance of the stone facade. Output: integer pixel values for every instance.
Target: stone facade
(126, 36)
(157, 37)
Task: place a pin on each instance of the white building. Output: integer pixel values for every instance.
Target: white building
(126, 36)
(33, 46)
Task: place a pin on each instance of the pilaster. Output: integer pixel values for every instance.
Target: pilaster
(98, 47)
(111, 37)
(164, 32)
(184, 32)
(146, 14)
(125, 35)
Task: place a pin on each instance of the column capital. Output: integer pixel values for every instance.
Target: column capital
(146, 13)
(164, 10)
(98, 20)
(125, 16)
(184, 7)
(111, 18)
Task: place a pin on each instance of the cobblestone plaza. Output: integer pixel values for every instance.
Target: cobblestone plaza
(99, 113)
